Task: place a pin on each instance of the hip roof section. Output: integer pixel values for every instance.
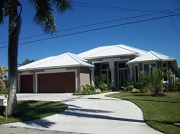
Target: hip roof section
(63, 60)
(151, 56)
(109, 51)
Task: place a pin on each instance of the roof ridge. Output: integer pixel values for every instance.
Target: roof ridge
(131, 48)
(70, 54)
(125, 48)
(154, 53)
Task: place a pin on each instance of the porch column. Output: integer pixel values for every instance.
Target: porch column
(92, 75)
(131, 72)
(111, 66)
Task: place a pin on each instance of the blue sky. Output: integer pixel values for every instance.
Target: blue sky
(160, 35)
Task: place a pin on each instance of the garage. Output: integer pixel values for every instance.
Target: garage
(56, 82)
(26, 83)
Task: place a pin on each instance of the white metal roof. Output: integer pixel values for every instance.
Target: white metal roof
(109, 51)
(63, 60)
(151, 56)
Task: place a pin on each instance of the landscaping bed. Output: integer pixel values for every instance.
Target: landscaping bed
(161, 113)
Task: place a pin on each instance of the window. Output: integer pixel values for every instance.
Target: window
(106, 70)
(105, 66)
(146, 68)
(122, 65)
(164, 65)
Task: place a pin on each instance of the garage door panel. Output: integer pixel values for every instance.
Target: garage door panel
(26, 83)
(56, 82)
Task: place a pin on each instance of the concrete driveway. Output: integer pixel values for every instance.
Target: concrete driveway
(94, 114)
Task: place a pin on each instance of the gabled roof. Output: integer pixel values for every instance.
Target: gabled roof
(63, 60)
(151, 56)
(109, 51)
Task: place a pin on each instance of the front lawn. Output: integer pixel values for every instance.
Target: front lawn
(160, 113)
(4, 91)
(34, 110)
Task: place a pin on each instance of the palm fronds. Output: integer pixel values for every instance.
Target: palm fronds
(62, 5)
(44, 15)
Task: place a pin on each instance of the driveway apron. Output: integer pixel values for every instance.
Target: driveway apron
(95, 114)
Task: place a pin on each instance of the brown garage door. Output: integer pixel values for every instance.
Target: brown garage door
(56, 82)
(26, 83)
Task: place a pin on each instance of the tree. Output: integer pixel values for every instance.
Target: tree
(3, 71)
(27, 61)
(154, 79)
(44, 17)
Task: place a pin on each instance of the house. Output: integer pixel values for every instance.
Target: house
(68, 72)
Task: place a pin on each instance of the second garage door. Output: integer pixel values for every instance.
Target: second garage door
(56, 82)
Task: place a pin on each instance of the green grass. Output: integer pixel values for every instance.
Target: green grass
(34, 110)
(4, 91)
(159, 112)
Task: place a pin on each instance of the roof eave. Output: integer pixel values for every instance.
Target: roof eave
(55, 67)
(150, 61)
(110, 56)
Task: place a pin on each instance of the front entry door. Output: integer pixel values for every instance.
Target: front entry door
(122, 77)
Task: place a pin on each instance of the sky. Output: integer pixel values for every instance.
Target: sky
(137, 23)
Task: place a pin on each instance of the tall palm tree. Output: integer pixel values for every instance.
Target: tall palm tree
(44, 17)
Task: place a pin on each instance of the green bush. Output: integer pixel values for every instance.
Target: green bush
(6, 82)
(87, 90)
(175, 86)
(144, 79)
(135, 90)
(90, 87)
(154, 79)
(103, 87)
(128, 86)
(100, 79)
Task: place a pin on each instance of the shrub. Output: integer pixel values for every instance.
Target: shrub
(2, 85)
(103, 87)
(175, 86)
(144, 79)
(90, 87)
(135, 90)
(155, 79)
(87, 90)
(128, 86)
(98, 80)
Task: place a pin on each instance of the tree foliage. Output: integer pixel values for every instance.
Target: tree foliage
(27, 61)
(154, 79)
(44, 17)
(3, 70)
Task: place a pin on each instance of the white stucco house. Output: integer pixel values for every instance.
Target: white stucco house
(68, 72)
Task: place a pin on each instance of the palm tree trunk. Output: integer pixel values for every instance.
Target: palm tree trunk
(14, 30)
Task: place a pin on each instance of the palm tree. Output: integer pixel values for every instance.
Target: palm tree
(44, 17)
(27, 61)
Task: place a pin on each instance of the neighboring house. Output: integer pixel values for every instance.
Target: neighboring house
(68, 72)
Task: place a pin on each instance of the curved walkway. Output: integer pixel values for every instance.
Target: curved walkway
(95, 114)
